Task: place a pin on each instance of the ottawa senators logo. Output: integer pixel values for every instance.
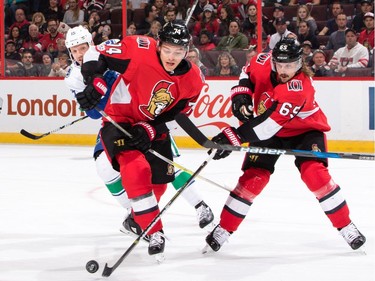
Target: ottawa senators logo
(315, 148)
(265, 102)
(170, 170)
(295, 85)
(161, 98)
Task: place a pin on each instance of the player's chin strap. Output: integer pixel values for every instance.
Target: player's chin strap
(157, 154)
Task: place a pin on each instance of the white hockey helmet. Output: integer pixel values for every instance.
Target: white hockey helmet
(77, 36)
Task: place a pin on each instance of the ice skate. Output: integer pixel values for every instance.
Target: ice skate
(156, 246)
(204, 214)
(216, 239)
(352, 236)
(130, 227)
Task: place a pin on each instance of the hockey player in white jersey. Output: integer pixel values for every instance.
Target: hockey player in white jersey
(78, 42)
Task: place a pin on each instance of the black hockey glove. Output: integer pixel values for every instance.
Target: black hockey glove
(228, 136)
(92, 94)
(142, 136)
(242, 104)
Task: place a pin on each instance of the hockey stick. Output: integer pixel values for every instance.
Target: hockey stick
(36, 137)
(107, 271)
(157, 154)
(191, 12)
(189, 127)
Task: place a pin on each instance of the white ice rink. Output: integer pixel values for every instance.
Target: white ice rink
(55, 215)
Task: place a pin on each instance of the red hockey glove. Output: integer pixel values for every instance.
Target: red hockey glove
(242, 104)
(142, 136)
(92, 94)
(228, 136)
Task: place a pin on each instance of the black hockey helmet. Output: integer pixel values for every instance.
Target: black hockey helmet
(286, 50)
(175, 33)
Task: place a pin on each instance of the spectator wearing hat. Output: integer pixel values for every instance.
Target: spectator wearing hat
(366, 37)
(352, 55)
(235, 40)
(304, 34)
(198, 11)
(337, 39)
(208, 21)
(12, 57)
(319, 66)
(278, 12)
(307, 52)
(281, 32)
(358, 21)
(205, 41)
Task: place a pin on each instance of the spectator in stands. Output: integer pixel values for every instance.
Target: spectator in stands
(235, 40)
(104, 33)
(182, 7)
(94, 22)
(208, 21)
(337, 39)
(96, 5)
(154, 30)
(249, 25)
(159, 5)
(366, 37)
(27, 68)
(40, 21)
(46, 66)
(226, 66)
(49, 40)
(151, 14)
(306, 52)
(198, 11)
(14, 35)
(278, 13)
(33, 40)
(170, 14)
(61, 47)
(225, 17)
(132, 29)
(21, 22)
(265, 43)
(74, 15)
(234, 5)
(274, 3)
(14, 5)
(60, 68)
(281, 32)
(250, 53)
(65, 4)
(320, 66)
(205, 41)
(331, 25)
(12, 57)
(303, 14)
(352, 55)
(302, 2)
(136, 4)
(194, 57)
(304, 34)
(358, 23)
(54, 10)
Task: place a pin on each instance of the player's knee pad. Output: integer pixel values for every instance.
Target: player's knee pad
(251, 183)
(315, 175)
(105, 170)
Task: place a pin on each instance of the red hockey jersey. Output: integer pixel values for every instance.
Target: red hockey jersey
(145, 90)
(297, 111)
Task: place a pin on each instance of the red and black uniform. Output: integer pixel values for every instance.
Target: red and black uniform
(144, 92)
(286, 116)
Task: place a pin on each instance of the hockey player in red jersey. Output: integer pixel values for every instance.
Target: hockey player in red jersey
(155, 84)
(275, 100)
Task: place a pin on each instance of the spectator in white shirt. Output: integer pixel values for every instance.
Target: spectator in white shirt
(281, 32)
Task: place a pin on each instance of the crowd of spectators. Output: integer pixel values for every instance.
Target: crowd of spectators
(336, 36)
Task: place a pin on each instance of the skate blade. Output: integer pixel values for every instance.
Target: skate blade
(127, 232)
(207, 249)
(159, 258)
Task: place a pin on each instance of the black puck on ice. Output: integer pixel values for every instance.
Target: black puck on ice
(92, 266)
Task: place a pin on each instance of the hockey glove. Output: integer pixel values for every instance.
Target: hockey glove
(142, 136)
(242, 104)
(92, 94)
(228, 136)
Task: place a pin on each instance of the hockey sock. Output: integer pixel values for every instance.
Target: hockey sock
(189, 194)
(119, 193)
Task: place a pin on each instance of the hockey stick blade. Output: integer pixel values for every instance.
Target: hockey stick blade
(189, 127)
(36, 137)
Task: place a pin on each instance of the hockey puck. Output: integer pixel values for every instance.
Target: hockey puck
(92, 266)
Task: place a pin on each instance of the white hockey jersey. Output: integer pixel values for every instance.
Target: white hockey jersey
(355, 57)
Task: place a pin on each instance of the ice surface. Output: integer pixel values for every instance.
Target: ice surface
(55, 215)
